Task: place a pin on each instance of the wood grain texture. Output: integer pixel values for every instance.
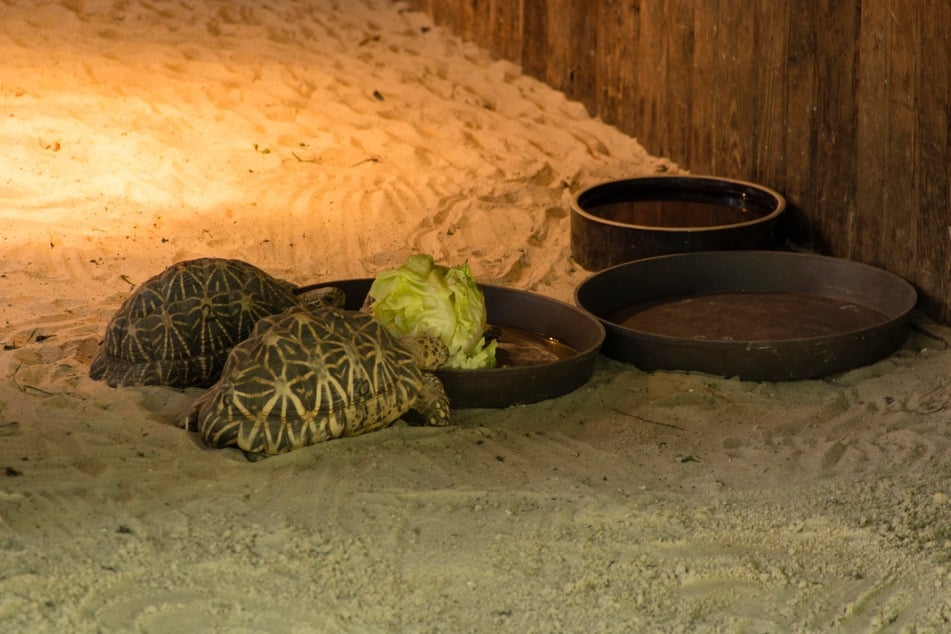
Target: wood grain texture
(931, 161)
(770, 41)
(619, 94)
(702, 136)
(833, 171)
(898, 247)
(841, 106)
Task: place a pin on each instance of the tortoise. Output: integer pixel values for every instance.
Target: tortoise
(178, 327)
(311, 375)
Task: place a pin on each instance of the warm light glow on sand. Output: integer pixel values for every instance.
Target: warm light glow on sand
(133, 137)
(127, 138)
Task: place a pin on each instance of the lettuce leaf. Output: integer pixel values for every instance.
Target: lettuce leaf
(424, 298)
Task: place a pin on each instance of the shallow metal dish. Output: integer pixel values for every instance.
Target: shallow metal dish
(551, 346)
(757, 315)
(624, 220)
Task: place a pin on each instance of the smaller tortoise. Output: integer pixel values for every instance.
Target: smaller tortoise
(307, 376)
(178, 327)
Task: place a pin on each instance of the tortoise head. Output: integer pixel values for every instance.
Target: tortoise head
(430, 352)
(324, 296)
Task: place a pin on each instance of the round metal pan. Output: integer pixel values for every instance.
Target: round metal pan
(631, 219)
(551, 322)
(755, 315)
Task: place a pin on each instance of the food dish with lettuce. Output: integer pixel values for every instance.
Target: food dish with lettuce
(425, 298)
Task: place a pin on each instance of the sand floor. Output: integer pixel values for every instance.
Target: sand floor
(323, 140)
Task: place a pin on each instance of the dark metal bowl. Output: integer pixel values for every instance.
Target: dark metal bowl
(547, 318)
(624, 220)
(757, 315)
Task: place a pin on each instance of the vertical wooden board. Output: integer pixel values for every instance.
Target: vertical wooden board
(485, 28)
(834, 169)
(679, 20)
(465, 16)
(444, 13)
(933, 162)
(534, 39)
(800, 130)
(556, 50)
(871, 124)
(898, 246)
(705, 78)
(504, 28)
(580, 33)
(770, 45)
(572, 38)
(736, 104)
(651, 75)
(618, 32)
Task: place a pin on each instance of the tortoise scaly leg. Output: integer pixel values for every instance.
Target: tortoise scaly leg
(432, 403)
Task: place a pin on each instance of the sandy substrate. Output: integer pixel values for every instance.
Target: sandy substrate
(324, 140)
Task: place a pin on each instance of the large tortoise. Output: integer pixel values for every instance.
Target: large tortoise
(178, 327)
(307, 376)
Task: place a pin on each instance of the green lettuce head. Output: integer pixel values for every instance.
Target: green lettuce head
(424, 298)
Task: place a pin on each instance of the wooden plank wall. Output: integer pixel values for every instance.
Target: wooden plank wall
(842, 106)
